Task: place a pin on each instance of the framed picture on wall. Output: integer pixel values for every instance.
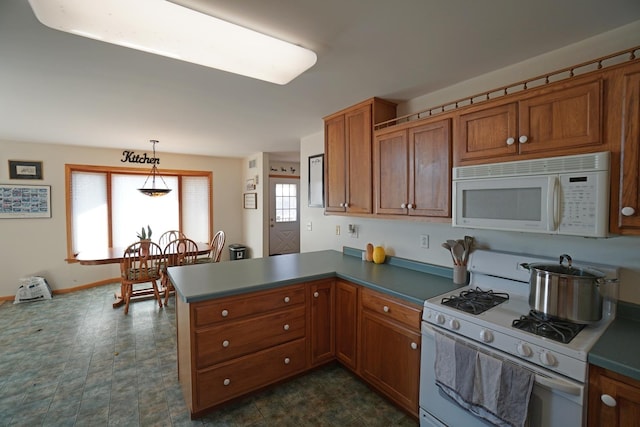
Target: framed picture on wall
(25, 201)
(19, 169)
(316, 181)
(250, 201)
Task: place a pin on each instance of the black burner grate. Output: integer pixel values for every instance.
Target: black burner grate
(475, 301)
(541, 324)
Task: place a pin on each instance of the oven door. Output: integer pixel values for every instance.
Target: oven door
(555, 400)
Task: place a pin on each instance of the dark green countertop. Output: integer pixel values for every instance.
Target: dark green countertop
(405, 279)
(619, 347)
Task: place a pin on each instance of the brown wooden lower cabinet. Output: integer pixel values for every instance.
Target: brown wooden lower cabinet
(231, 346)
(614, 400)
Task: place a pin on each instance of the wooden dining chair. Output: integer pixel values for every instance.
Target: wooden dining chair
(169, 236)
(217, 244)
(141, 264)
(177, 252)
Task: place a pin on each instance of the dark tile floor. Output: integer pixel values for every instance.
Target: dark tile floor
(76, 361)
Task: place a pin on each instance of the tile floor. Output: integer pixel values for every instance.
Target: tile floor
(76, 361)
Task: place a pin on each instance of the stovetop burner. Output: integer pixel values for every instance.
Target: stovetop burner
(541, 324)
(475, 301)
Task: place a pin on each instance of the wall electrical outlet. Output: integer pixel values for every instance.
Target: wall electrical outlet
(353, 230)
(309, 226)
(337, 230)
(424, 241)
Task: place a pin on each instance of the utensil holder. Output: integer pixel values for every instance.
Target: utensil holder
(460, 274)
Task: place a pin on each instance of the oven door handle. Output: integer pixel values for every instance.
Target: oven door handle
(557, 384)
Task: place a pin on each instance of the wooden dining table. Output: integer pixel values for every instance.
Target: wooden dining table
(114, 256)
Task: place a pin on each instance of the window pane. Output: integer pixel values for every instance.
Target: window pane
(195, 208)
(132, 210)
(89, 211)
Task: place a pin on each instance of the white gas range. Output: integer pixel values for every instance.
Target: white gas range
(560, 368)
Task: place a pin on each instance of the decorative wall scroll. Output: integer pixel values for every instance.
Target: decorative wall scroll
(316, 181)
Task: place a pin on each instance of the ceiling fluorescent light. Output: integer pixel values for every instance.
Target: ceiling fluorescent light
(164, 28)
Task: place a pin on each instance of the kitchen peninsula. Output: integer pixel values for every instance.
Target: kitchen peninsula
(243, 325)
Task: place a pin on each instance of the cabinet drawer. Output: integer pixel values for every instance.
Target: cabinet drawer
(392, 308)
(229, 340)
(239, 306)
(226, 381)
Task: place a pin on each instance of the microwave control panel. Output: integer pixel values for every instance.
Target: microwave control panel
(584, 203)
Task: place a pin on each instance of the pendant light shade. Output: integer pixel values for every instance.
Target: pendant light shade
(153, 191)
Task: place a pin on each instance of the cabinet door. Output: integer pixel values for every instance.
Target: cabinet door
(629, 210)
(335, 164)
(390, 359)
(346, 323)
(391, 172)
(482, 134)
(359, 179)
(563, 119)
(612, 401)
(430, 169)
(321, 337)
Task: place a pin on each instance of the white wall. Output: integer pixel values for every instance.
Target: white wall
(401, 237)
(38, 246)
(255, 228)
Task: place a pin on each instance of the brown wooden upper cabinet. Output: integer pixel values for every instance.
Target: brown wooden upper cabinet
(560, 119)
(627, 212)
(348, 137)
(412, 169)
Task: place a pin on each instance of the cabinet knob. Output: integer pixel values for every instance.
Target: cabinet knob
(286, 327)
(346, 205)
(287, 360)
(628, 211)
(226, 381)
(342, 205)
(287, 299)
(386, 308)
(410, 206)
(414, 346)
(224, 313)
(523, 139)
(316, 294)
(608, 400)
(510, 141)
(225, 343)
(403, 206)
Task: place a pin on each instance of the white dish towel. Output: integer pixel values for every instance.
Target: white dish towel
(498, 391)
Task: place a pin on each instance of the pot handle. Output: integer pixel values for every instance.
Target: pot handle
(568, 258)
(525, 265)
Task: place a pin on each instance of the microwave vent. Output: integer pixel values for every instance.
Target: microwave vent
(550, 165)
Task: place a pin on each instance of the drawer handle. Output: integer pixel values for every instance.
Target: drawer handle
(225, 343)
(316, 294)
(224, 313)
(414, 346)
(226, 381)
(608, 400)
(386, 309)
(287, 360)
(287, 299)
(286, 327)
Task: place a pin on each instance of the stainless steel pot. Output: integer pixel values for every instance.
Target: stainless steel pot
(566, 292)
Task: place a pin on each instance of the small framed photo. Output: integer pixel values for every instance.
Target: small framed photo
(250, 201)
(19, 169)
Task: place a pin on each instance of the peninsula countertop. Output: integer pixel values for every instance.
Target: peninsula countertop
(409, 280)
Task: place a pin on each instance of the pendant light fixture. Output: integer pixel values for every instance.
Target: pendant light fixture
(153, 191)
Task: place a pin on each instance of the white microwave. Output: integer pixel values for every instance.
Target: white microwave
(555, 195)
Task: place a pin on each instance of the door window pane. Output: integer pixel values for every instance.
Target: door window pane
(286, 203)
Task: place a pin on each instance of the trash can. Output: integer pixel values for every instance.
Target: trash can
(237, 251)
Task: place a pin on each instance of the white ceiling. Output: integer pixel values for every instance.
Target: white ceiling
(61, 88)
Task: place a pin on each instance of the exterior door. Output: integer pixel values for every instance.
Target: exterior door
(284, 213)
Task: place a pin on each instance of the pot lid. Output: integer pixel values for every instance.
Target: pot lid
(567, 270)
